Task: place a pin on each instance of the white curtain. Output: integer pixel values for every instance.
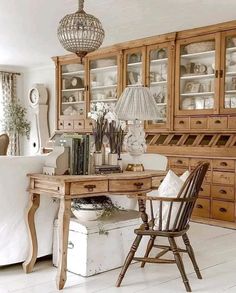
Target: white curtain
(1, 106)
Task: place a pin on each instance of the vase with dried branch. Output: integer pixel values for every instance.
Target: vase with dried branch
(115, 134)
(97, 114)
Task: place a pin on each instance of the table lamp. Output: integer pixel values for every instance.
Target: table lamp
(136, 104)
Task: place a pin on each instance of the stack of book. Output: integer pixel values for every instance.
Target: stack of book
(79, 152)
(107, 169)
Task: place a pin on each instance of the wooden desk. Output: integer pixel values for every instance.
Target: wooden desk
(67, 188)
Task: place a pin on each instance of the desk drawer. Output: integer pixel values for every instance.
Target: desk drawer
(205, 190)
(223, 178)
(178, 162)
(218, 123)
(224, 192)
(195, 162)
(181, 123)
(223, 210)
(131, 185)
(89, 187)
(202, 208)
(198, 123)
(223, 164)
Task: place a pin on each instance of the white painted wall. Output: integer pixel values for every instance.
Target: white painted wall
(46, 76)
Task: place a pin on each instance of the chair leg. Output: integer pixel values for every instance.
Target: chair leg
(191, 255)
(129, 258)
(149, 248)
(179, 263)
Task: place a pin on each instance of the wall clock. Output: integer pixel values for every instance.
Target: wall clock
(38, 101)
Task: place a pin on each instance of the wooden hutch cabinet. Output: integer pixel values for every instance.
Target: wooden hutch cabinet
(192, 76)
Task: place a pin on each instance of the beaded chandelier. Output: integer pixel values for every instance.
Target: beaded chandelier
(80, 33)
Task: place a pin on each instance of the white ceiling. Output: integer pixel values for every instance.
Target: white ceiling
(28, 27)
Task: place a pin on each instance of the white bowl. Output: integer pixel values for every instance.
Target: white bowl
(87, 214)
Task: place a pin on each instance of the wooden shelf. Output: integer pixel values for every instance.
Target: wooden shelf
(198, 94)
(72, 103)
(73, 90)
(230, 92)
(134, 64)
(80, 72)
(107, 68)
(201, 54)
(103, 100)
(158, 82)
(156, 61)
(197, 76)
(100, 87)
(232, 49)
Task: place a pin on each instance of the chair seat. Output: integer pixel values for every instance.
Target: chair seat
(152, 232)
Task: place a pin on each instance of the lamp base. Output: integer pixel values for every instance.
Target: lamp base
(135, 167)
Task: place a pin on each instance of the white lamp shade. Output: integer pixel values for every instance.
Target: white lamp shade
(137, 103)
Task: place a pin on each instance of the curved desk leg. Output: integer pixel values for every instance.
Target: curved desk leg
(64, 220)
(33, 249)
(142, 210)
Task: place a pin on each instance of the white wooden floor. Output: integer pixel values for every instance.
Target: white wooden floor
(215, 249)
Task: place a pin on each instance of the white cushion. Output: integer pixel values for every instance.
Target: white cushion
(170, 187)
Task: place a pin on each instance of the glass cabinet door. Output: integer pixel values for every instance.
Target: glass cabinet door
(228, 73)
(104, 80)
(72, 90)
(134, 67)
(197, 72)
(159, 82)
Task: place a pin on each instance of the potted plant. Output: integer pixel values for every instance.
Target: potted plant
(15, 124)
(92, 208)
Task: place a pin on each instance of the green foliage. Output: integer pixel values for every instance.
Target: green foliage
(15, 120)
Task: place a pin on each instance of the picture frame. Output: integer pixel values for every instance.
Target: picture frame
(192, 87)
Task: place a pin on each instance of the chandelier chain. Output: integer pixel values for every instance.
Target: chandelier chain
(81, 5)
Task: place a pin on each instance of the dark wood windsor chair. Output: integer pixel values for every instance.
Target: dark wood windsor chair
(175, 225)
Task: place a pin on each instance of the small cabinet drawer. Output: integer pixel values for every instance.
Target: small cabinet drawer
(223, 164)
(223, 210)
(205, 190)
(202, 208)
(217, 123)
(78, 124)
(60, 124)
(207, 178)
(179, 162)
(178, 171)
(181, 123)
(232, 122)
(68, 124)
(88, 124)
(198, 123)
(223, 192)
(89, 187)
(120, 185)
(223, 178)
(195, 162)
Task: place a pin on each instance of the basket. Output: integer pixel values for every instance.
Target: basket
(200, 47)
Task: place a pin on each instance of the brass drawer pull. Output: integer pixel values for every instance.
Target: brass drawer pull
(217, 122)
(80, 123)
(198, 122)
(138, 184)
(199, 206)
(179, 162)
(222, 210)
(181, 122)
(90, 187)
(69, 124)
(222, 191)
(70, 245)
(223, 164)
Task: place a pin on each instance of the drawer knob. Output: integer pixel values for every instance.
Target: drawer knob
(217, 122)
(181, 122)
(80, 124)
(61, 123)
(179, 162)
(138, 184)
(199, 206)
(201, 189)
(70, 245)
(222, 191)
(222, 210)
(198, 122)
(223, 164)
(69, 124)
(90, 187)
